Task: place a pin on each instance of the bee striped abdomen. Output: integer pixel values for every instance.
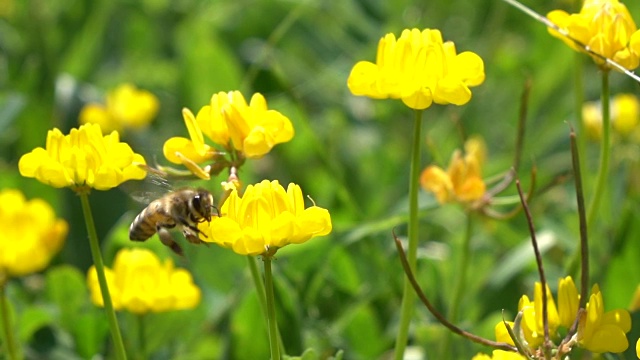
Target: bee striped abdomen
(146, 223)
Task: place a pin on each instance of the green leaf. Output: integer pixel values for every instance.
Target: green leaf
(66, 288)
(31, 320)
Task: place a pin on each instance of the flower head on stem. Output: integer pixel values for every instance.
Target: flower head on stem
(82, 160)
(241, 130)
(418, 68)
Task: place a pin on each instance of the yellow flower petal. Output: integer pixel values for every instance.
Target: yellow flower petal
(266, 217)
(84, 158)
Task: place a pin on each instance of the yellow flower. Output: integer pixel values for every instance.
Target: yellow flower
(126, 107)
(499, 355)
(30, 236)
(418, 68)
(568, 301)
(265, 219)
(140, 283)
(638, 348)
(532, 322)
(250, 129)
(600, 331)
(606, 27)
(502, 334)
(625, 110)
(83, 159)
(462, 181)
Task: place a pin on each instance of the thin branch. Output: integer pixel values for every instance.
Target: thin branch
(536, 250)
(584, 242)
(436, 313)
(522, 120)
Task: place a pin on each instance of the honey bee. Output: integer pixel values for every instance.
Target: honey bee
(185, 208)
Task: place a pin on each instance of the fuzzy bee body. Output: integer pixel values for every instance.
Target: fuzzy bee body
(184, 208)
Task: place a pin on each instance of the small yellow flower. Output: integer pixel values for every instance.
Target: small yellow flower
(606, 27)
(140, 283)
(462, 181)
(499, 355)
(418, 68)
(265, 219)
(30, 236)
(600, 331)
(625, 111)
(83, 159)
(126, 108)
(249, 129)
(502, 334)
(638, 348)
(532, 321)
(568, 301)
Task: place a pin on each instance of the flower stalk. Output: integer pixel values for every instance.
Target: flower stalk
(8, 341)
(260, 290)
(104, 289)
(271, 309)
(408, 295)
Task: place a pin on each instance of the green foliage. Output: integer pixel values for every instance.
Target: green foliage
(350, 154)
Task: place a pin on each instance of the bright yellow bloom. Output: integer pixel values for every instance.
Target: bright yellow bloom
(532, 322)
(126, 107)
(265, 219)
(624, 110)
(83, 159)
(418, 68)
(140, 283)
(502, 334)
(30, 234)
(600, 331)
(568, 301)
(499, 355)
(251, 129)
(462, 181)
(638, 348)
(606, 27)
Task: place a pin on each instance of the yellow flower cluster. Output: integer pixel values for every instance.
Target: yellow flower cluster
(462, 181)
(499, 355)
(418, 68)
(598, 331)
(31, 235)
(140, 283)
(265, 219)
(250, 130)
(84, 158)
(625, 111)
(606, 27)
(127, 107)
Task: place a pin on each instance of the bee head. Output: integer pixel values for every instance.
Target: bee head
(202, 203)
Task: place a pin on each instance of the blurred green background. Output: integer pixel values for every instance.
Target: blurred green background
(350, 154)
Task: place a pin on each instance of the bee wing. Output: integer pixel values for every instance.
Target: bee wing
(154, 186)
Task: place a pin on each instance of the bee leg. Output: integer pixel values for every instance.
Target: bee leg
(193, 235)
(167, 240)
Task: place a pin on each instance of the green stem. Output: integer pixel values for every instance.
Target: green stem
(104, 289)
(271, 309)
(603, 170)
(262, 296)
(408, 294)
(461, 285)
(142, 341)
(7, 333)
